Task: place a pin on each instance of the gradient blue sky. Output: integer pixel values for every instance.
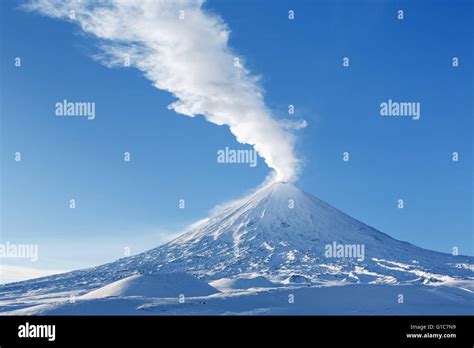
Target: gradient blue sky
(136, 204)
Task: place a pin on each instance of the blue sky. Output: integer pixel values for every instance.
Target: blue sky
(135, 204)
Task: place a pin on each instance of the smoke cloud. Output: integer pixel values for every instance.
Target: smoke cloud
(183, 48)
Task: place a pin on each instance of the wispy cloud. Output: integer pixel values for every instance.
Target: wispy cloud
(183, 49)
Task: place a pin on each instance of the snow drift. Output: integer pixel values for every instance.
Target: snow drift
(243, 283)
(154, 285)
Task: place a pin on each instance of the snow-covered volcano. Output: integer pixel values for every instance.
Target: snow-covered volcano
(282, 233)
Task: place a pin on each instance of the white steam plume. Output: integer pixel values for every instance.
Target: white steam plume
(188, 57)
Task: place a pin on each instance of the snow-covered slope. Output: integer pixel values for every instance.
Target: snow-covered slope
(243, 283)
(355, 299)
(154, 285)
(278, 232)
